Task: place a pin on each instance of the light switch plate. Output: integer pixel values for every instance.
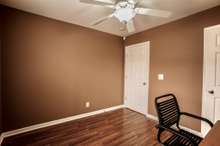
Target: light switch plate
(160, 77)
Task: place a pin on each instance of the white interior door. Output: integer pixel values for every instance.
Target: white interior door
(211, 82)
(136, 77)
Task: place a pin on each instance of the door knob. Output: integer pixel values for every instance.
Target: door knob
(144, 83)
(211, 92)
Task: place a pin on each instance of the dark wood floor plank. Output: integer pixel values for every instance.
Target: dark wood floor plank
(122, 127)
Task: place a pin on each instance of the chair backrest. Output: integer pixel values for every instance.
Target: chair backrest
(167, 110)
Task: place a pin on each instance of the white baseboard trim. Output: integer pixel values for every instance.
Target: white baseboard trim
(152, 117)
(192, 131)
(56, 122)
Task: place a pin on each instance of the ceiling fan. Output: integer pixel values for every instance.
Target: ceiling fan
(125, 11)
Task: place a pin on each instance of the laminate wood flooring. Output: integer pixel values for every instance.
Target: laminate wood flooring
(121, 127)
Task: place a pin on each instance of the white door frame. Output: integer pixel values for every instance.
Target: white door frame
(204, 88)
(147, 43)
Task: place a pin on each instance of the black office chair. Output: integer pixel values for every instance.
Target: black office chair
(169, 115)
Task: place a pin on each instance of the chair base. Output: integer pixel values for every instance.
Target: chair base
(176, 140)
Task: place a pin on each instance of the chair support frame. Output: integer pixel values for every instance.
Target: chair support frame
(172, 104)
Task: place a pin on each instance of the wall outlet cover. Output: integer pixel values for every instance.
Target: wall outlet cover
(87, 104)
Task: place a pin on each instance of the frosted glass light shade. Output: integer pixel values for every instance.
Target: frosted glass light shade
(124, 14)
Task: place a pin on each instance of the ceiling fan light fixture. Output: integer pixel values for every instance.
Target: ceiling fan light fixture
(125, 11)
(124, 14)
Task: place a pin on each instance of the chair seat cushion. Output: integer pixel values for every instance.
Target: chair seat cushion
(176, 140)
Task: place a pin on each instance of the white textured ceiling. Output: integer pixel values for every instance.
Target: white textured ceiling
(72, 11)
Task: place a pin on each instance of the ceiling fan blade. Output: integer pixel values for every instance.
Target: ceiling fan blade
(133, 1)
(131, 26)
(99, 2)
(102, 20)
(153, 12)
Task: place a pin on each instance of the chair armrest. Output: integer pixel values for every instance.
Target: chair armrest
(175, 132)
(197, 117)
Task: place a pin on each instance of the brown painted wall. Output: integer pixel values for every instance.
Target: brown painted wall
(177, 51)
(51, 68)
(0, 70)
